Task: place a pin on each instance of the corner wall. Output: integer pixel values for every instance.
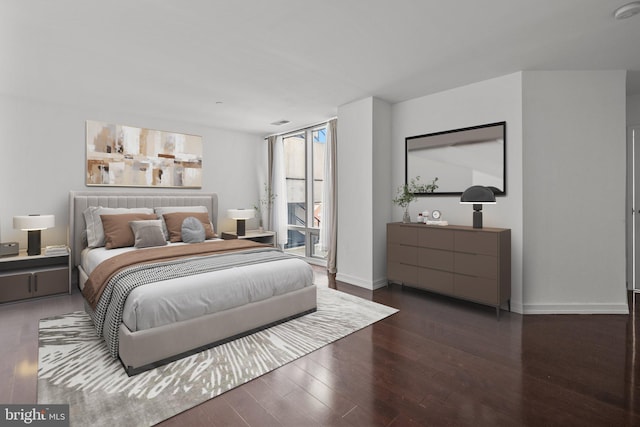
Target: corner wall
(355, 193)
(381, 180)
(574, 191)
(364, 172)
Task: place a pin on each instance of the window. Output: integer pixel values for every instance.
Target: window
(304, 153)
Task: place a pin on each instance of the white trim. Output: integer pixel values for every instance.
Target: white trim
(576, 308)
(516, 307)
(363, 283)
(352, 280)
(380, 283)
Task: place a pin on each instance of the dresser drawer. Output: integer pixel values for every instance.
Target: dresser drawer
(476, 265)
(435, 258)
(406, 235)
(435, 280)
(402, 254)
(435, 238)
(476, 289)
(476, 242)
(403, 273)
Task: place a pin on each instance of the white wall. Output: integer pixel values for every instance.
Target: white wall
(364, 176)
(574, 191)
(490, 101)
(633, 121)
(355, 193)
(43, 158)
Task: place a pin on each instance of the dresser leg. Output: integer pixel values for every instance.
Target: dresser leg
(509, 304)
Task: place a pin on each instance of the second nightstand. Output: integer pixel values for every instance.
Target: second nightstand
(268, 237)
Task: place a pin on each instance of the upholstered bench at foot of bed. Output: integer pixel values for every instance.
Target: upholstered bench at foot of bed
(143, 350)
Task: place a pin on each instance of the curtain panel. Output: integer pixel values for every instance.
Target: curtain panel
(278, 183)
(329, 225)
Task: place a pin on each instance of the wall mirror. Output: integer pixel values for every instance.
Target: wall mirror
(459, 158)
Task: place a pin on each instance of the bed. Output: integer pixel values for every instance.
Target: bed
(217, 291)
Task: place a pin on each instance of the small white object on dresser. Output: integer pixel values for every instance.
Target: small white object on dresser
(437, 218)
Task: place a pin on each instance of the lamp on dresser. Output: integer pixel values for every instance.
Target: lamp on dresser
(241, 215)
(33, 224)
(477, 196)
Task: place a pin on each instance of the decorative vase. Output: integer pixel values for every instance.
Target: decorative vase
(406, 218)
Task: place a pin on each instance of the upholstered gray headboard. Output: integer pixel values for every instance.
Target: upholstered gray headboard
(81, 200)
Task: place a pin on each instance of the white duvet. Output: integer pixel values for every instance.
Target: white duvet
(175, 300)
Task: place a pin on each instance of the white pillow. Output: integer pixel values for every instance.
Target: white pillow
(161, 210)
(95, 232)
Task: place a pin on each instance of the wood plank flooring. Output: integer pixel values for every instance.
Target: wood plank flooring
(437, 362)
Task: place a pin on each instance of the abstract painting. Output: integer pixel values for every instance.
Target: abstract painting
(127, 156)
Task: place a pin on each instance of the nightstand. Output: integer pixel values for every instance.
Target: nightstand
(23, 277)
(268, 237)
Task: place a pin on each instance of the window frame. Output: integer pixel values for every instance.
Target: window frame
(311, 232)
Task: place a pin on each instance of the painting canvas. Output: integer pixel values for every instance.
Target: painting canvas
(123, 156)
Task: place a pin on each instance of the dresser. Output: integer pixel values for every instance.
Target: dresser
(462, 262)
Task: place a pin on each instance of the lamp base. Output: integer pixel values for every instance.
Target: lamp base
(477, 217)
(240, 227)
(33, 242)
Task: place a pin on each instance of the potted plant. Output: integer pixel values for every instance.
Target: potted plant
(407, 193)
(265, 201)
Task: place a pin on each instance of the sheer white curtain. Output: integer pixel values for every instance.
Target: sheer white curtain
(328, 226)
(278, 216)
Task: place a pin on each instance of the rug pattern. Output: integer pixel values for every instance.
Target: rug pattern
(75, 367)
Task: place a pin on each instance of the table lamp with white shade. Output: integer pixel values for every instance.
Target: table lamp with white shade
(241, 215)
(33, 224)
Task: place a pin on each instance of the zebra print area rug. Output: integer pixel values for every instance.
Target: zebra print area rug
(74, 365)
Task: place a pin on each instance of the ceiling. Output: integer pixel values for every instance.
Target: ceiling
(242, 65)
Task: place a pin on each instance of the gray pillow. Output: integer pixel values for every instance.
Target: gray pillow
(148, 233)
(192, 230)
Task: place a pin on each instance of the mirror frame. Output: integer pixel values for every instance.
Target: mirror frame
(451, 136)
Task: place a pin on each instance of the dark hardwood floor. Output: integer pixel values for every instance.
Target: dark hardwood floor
(437, 362)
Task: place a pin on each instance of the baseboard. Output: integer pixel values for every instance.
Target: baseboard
(357, 281)
(576, 308)
(380, 283)
(516, 307)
